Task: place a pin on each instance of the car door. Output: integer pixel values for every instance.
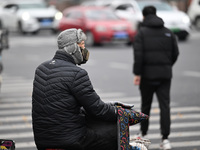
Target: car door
(9, 16)
(74, 19)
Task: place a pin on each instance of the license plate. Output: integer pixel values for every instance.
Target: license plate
(120, 35)
(46, 22)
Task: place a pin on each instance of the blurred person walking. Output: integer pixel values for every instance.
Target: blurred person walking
(155, 52)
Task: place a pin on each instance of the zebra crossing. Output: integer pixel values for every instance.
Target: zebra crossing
(15, 117)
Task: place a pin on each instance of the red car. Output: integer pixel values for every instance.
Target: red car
(100, 24)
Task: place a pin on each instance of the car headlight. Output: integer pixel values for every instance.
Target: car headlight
(58, 15)
(26, 16)
(100, 28)
(186, 20)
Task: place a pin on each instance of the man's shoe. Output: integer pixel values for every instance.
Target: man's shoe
(165, 145)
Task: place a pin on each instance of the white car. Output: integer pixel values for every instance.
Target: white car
(194, 13)
(177, 21)
(29, 16)
(131, 10)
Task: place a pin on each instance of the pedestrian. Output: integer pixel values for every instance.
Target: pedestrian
(155, 52)
(67, 113)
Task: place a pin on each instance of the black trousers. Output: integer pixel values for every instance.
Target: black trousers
(161, 88)
(101, 135)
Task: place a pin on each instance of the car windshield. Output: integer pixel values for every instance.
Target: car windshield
(101, 15)
(160, 6)
(32, 5)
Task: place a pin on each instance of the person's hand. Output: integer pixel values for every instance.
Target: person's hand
(124, 105)
(136, 80)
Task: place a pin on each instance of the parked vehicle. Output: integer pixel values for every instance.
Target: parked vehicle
(100, 24)
(177, 21)
(28, 16)
(131, 10)
(194, 13)
(127, 9)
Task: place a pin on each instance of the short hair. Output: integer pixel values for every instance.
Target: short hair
(149, 10)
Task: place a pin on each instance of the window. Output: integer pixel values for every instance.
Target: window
(74, 15)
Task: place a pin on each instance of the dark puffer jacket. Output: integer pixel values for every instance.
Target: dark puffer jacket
(60, 90)
(155, 50)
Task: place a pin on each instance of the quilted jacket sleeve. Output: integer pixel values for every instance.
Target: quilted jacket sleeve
(175, 52)
(86, 96)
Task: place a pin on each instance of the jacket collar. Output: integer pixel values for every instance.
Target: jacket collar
(61, 54)
(153, 21)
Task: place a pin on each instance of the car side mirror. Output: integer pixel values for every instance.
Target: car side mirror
(13, 9)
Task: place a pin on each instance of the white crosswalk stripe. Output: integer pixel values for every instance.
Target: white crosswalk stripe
(15, 116)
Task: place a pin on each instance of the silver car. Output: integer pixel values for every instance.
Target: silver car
(28, 16)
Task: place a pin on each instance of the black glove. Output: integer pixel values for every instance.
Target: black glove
(124, 105)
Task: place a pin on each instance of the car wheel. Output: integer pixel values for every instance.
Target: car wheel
(182, 38)
(6, 39)
(35, 32)
(20, 29)
(1, 42)
(197, 23)
(90, 39)
(54, 31)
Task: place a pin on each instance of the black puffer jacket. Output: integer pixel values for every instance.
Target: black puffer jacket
(60, 90)
(155, 50)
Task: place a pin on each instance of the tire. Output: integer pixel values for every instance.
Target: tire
(54, 31)
(20, 29)
(35, 32)
(6, 39)
(90, 39)
(1, 42)
(182, 38)
(197, 23)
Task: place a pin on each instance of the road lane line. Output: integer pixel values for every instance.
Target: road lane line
(178, 144)
(178, 110)
(173, 126)
(27, 118)
(29, 134)
(192, 74)
(152, 126)
(152, 146)
(122, 66)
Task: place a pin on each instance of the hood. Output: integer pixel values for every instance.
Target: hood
(42, 12)
(116, 25)
(153, 21)
(174, 18)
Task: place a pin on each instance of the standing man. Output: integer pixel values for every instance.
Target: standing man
(155, 52)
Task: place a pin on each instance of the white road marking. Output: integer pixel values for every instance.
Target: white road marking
(122, 66)
(192, 74)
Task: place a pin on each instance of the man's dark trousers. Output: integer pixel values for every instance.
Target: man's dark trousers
(161, 87)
